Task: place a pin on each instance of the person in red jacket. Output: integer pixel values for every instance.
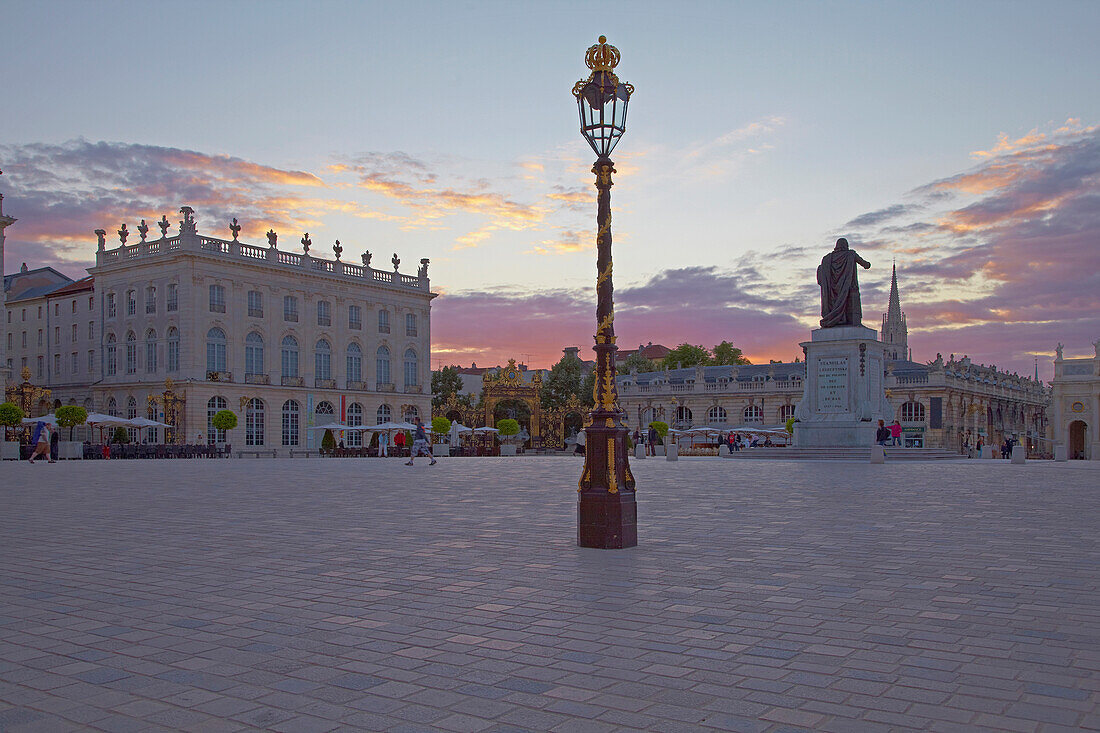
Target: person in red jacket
(895, 432)
(399, 441)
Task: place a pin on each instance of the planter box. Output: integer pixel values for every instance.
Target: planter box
(672, 452)
(658, 450)
(9, 450)
(67, 449)
(507, 450)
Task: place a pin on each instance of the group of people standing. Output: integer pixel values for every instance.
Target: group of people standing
(45, 441)
(888, 434)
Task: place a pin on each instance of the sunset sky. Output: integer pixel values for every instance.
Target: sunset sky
(960, 139)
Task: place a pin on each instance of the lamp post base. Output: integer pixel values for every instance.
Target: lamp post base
(607, 521)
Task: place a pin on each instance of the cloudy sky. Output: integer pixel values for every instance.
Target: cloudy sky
(960, 139)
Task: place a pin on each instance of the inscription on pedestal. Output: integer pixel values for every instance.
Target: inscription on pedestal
(832, 385)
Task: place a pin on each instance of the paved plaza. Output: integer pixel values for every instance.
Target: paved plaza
(317, 595)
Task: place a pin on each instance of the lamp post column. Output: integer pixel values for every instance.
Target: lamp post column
(607, 514)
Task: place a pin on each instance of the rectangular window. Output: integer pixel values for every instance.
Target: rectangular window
(290, 308)
(290, 423)
(56, 335)
(111, 305)
(383, 321)
(75, 362)
(40, 313)
(112, 359)
(150, 299)
(74, 334)
(217, 299)
(131, 303)
(410, 324)
(173, 354)
(91, 329)
(355, 317)
(24, 314)
(10, 335)
(173, 303)
(255, 304)
(150, 356)
(324, 313)
(24, 339)
(91, 362)
(131, 357)
(91, 303)
(57, 309)
(41, 365)
(41, 340)
(74, 305)
(57, 365)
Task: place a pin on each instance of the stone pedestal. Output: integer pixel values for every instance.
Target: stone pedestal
(987, 451)
(724, 449)
(1060, 453)
(1019, 454)
(639, 452)
(672, 452)
(878, 454)
(843, 397)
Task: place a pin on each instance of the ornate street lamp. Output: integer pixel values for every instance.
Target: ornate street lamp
(607, 515)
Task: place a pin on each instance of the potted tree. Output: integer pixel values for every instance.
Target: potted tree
(508, 428)
(11, 417)
(662, 431)
(224, 420)
(69, 416)
(328, 443)
(440, 427)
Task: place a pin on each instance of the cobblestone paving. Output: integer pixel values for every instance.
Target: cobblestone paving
(313, 595)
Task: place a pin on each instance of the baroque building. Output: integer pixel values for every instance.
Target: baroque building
(940, 404)
(178, 327)
(1076, 407)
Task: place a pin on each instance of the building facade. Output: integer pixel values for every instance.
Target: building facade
(1076, 405)
(187, 325)
(940, 404)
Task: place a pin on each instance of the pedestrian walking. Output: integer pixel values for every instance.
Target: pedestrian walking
(882, 435)
(420, 446)
(895, 433)
(41, 441)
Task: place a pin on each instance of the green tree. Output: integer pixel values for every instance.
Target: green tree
(446, 383)
(11, 416)
(121, 435)
(328, 441)
(790, 426)
(661, 428)
(566, 379)
(726, 353)
(508, 427)
(637, 362)
(441, 425)
(685, 355)
(69, 416)
(224, 420)
(587, 386)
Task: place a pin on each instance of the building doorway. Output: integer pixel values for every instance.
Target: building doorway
(1078, 434)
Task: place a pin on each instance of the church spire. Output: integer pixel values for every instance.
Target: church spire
(894, 332)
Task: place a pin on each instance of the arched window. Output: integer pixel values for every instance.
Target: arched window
(290, 422)
(290, 359)
(355, 363)
(411, 413)
(112, 357)
(912, 412)
(383, 414)
(131, 413)
(716, 415)
(215, 351)
(253, 355)
(322, 360)
(786, 412)
(683, 416)
(382, 365)
(355, 417)
(324, 407)
(213, 435)
(254, 422)
(411, 378)
(112, 407)
(151, 351)
(173, 355)
(753, 414)
(131, 353)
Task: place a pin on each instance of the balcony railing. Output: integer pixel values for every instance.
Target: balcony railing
(357, 386)
(257, 379)
(385, 387)
(219, 376)
(324, 383)
(293, 382)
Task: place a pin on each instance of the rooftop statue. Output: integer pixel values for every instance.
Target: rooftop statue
(840, 305)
